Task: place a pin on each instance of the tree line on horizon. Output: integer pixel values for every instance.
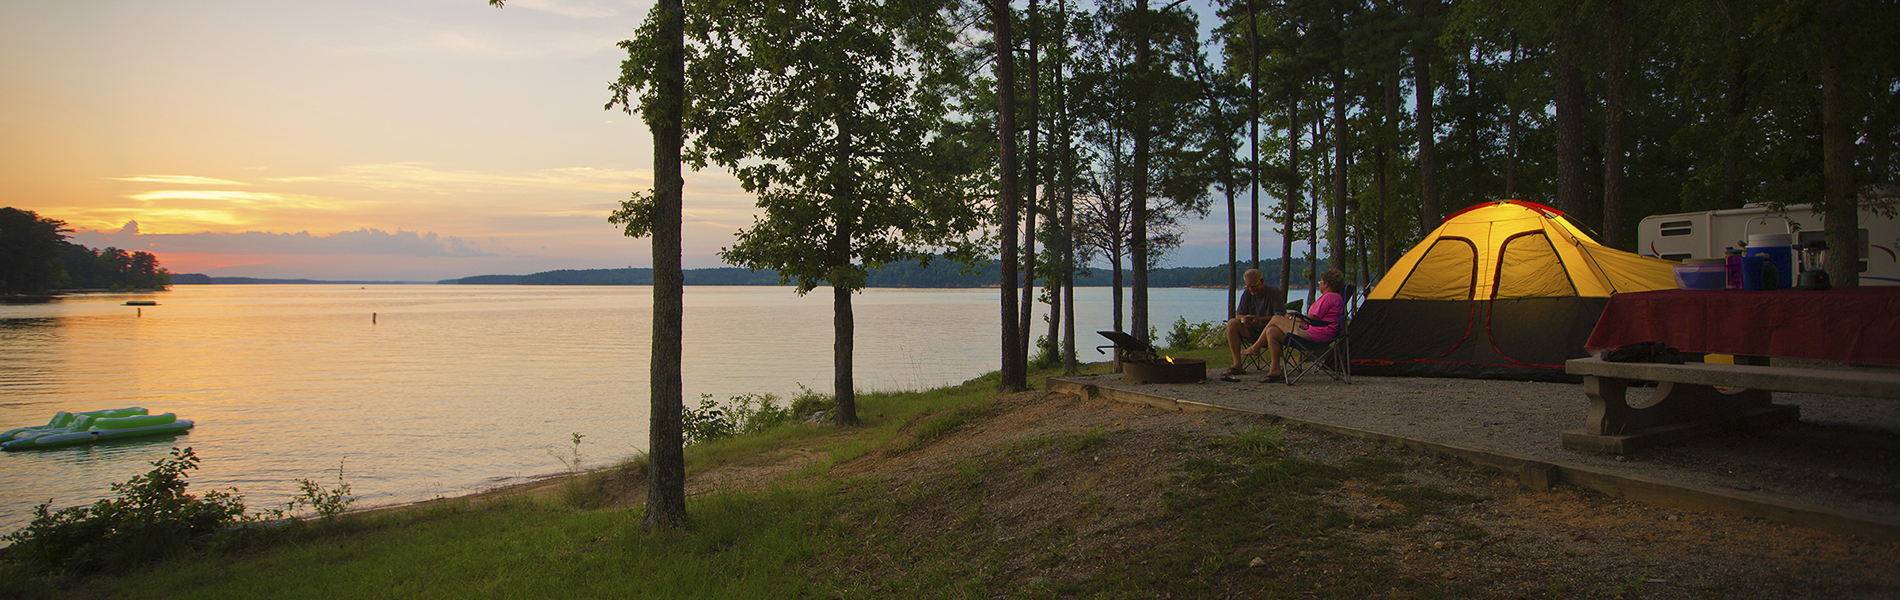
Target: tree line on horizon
(876, 132)
(36, 258)
(905, 275)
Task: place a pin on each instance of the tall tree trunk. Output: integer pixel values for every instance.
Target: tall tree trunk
(1383, 233)
(1511, 120)
(1015, 376)
(1295, 194)
(844, 330)
(1138, 235)
(1569, 106)
(1253, 129)
(1336, 220)
(1312, 213)
(1840, 219)
(1427, 128)
(1233, 239)
(1030, 210)
(842, 322)
(1615, 229)
(666, 441)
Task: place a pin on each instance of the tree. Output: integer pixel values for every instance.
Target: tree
(827, 113)
(30, 249)
(1015, 371)
(656, 67)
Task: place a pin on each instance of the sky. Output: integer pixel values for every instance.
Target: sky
(395, 140)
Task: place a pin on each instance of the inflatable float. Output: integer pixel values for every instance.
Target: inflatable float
(67, 429)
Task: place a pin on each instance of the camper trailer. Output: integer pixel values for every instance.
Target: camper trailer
(1709, 234)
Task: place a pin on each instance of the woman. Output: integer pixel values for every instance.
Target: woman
(1327, 309)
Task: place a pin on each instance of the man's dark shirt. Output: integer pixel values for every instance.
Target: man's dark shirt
(1266, 305)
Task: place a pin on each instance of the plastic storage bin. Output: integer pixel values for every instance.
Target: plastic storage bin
(1702, 276)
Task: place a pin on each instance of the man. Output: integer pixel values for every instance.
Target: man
(1258, 304)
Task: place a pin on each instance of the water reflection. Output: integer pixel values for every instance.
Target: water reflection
(447, 389)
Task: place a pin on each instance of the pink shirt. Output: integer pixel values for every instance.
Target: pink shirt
(1328, 307)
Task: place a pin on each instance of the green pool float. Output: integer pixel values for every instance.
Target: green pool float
(67, 429)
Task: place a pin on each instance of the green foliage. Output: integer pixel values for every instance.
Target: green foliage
(114, 269)
(151, 517)
(330, 502)
(746, 414)
(1188, 337)
(30, 251)
(1254, 444)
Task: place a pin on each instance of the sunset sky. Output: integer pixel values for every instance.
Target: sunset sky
(346, 139)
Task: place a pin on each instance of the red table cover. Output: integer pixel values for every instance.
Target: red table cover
(1859, 325)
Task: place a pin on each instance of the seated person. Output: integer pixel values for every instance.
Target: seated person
(1258, 304)
(1327, 309)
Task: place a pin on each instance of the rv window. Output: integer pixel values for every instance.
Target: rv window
(1676, 228)
(1677, 257)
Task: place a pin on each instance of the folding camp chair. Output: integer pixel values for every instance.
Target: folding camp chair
(1256, 362)
(1333, 357)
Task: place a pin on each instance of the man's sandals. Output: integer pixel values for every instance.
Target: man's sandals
(1273, 379)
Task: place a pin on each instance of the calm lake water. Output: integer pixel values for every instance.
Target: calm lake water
(450, 389)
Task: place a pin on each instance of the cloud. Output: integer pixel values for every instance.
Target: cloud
(578, 9)
(179, 180)
(359, 242)
(420, 177)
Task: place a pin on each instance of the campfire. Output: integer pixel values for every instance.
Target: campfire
(1142, 363)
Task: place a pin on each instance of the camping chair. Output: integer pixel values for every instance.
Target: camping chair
(1332, 357)
(1256, 362)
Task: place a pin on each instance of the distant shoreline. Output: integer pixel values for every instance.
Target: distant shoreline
(944, 275)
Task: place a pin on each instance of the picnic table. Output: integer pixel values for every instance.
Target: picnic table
(1858, 326)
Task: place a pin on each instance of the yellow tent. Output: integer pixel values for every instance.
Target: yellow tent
(1516, 249)
(1506, 289)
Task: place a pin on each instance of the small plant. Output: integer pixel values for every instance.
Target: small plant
(573, 464)
(809, 402)
(327, 502)
(1047, 357)
(1185, 336)
(1252, 443)
(151, 517)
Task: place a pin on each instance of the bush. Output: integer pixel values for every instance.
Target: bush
(152, 517)
(1188, 337)
(750, 413)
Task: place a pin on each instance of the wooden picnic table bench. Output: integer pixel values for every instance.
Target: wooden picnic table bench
(1690, 398)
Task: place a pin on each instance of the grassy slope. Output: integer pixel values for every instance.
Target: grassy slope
(891, 509)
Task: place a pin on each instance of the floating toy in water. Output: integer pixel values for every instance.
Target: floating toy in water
(141, 303)
(83, 428)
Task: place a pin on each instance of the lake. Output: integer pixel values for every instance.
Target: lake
(419, 391)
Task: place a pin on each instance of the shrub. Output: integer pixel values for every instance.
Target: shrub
(1188, 337)
(750, 413)
(332, 502)
(152, 517)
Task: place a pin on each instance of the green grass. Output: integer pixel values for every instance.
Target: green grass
(1229, 500)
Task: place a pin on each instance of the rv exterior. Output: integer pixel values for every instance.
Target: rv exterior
(1709, 234)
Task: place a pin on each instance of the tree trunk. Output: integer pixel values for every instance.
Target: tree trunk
(1138, 232)
(666, 441)
(1336, 220)
(1015, 376)
(1840, 219)
(1569, 106)
(842, 322)
(1253, 129)
(1427, 128)
(1615, 229)
(1294, 195)
(844, 328)
(1030, 208)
